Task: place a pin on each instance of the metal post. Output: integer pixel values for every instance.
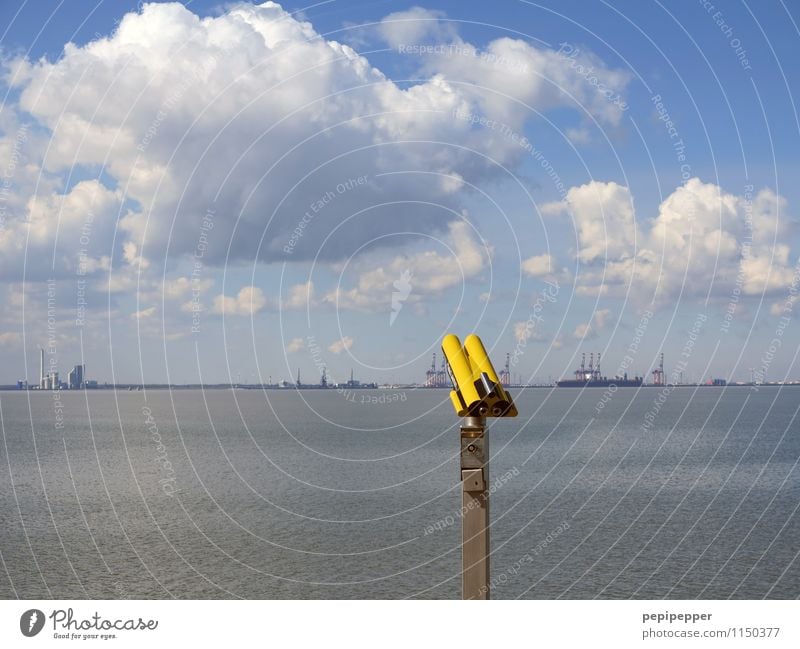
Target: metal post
(475, 512)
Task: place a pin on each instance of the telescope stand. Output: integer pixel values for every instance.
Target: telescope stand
(475, 509)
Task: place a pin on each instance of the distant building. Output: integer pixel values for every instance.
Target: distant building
(22, 384)
(76, 377)
(50, 382)
(42, 377)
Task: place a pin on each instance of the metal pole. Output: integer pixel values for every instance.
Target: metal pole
(475, 512)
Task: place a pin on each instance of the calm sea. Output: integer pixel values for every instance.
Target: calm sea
(681, 494)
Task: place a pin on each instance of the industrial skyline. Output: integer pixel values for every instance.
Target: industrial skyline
(588, 374)
(49, 378)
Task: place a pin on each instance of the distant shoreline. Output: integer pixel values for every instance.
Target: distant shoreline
(125, 387)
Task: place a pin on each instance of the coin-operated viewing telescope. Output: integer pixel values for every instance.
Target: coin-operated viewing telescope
(477, 392)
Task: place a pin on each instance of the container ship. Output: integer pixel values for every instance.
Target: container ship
(591, 377)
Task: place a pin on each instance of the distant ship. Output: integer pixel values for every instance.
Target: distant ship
(601, 382)
(591, 377)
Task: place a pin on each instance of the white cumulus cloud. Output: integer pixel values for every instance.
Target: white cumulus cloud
(338, 346)
(597, 323)
(295, 345)
(251, 115)
(703, 241)
(538, 265)
(460, 257)
(299, 296)
(248, 301)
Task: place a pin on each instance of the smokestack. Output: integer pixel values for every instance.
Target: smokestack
(41, 367)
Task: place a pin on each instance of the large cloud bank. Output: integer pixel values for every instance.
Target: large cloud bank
(292, 144)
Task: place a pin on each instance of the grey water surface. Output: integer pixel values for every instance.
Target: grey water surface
(689, 493)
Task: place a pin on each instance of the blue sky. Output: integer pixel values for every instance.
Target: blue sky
(634, 159)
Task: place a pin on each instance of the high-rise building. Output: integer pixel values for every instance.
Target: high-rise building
(42, 378)
(75, 377)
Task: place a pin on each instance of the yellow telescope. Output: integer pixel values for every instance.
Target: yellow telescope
(477, 392)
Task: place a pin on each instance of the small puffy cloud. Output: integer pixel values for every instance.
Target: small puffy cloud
(538, 266)
(578, 135)
(337, 347)
(144, 314)
(192, 306)
(185, 291)
(130, 253)
(590, 329)
(299, 296)
(413, 27)
(526, 330)
(10, 338)
(452, 182)
(180, 287)
(601, 317)
(249, 301)
(295, 345)
(553, 208)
